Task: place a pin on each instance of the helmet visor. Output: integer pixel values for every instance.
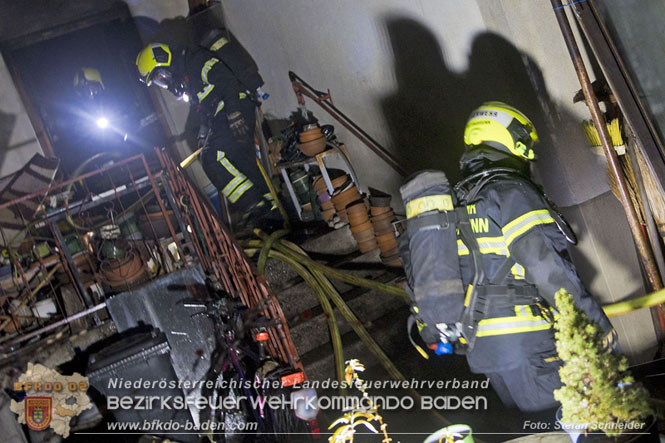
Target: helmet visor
(162, 78)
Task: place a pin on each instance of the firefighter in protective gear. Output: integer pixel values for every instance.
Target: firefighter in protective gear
(522, 242)
(226, 111)
(88, 83)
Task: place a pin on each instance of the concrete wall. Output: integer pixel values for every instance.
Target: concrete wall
(18, 142)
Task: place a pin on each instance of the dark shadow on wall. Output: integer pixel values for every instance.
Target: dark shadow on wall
(428, 113)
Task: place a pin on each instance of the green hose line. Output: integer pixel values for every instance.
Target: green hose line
(351, 318)
(336, 339)
(263, 257)
(612, 310)
(292, 251)
(358, 327)
(337, 274)
(625, 307)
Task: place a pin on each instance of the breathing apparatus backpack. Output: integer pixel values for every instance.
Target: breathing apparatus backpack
(447, 317)
(428, 248)
(230, 52)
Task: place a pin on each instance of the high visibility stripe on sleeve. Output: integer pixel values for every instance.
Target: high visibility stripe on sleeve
(518, 271)
(204, 93)
(524, 223)
(220, 106)
(218, 44)
(206, 68)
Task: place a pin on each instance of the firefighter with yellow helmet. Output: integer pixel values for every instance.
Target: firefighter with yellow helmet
(209, 77)
(522, 240)
(484, 259)
(88, 83)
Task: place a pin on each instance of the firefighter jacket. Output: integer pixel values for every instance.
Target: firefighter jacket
(214, 87)
(511, 219)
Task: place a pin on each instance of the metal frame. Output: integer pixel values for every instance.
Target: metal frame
(209, 243)
(623, 88)
(302, 88)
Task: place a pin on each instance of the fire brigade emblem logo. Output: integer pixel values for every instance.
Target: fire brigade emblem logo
(38, 412)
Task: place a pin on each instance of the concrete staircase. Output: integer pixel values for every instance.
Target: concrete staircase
(382, 314)
(385, 318)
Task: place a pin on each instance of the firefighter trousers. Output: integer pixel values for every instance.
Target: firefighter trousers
(527, 387)
(230, 162)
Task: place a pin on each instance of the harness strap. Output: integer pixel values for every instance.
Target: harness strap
(431, 220)
(502, 271)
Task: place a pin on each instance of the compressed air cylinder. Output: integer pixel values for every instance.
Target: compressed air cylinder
(428, 248)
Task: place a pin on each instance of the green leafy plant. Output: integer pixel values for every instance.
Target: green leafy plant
(598, 388)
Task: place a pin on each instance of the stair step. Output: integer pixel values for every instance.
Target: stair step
(299, 298)
(368, 307)
(347, 296)
(280, 275)
(338, 242)
(388, 331)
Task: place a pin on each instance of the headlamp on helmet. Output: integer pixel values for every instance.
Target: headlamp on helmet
(501, 127)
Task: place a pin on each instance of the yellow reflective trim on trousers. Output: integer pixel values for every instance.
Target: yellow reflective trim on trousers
(522, 218)
(231, 186)
(240, 191)
(204, 93)
(511, 325)
(524, 223)
(206, 67)
(229, 167)
(441, 202)
(218, 44)
(227, 164)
